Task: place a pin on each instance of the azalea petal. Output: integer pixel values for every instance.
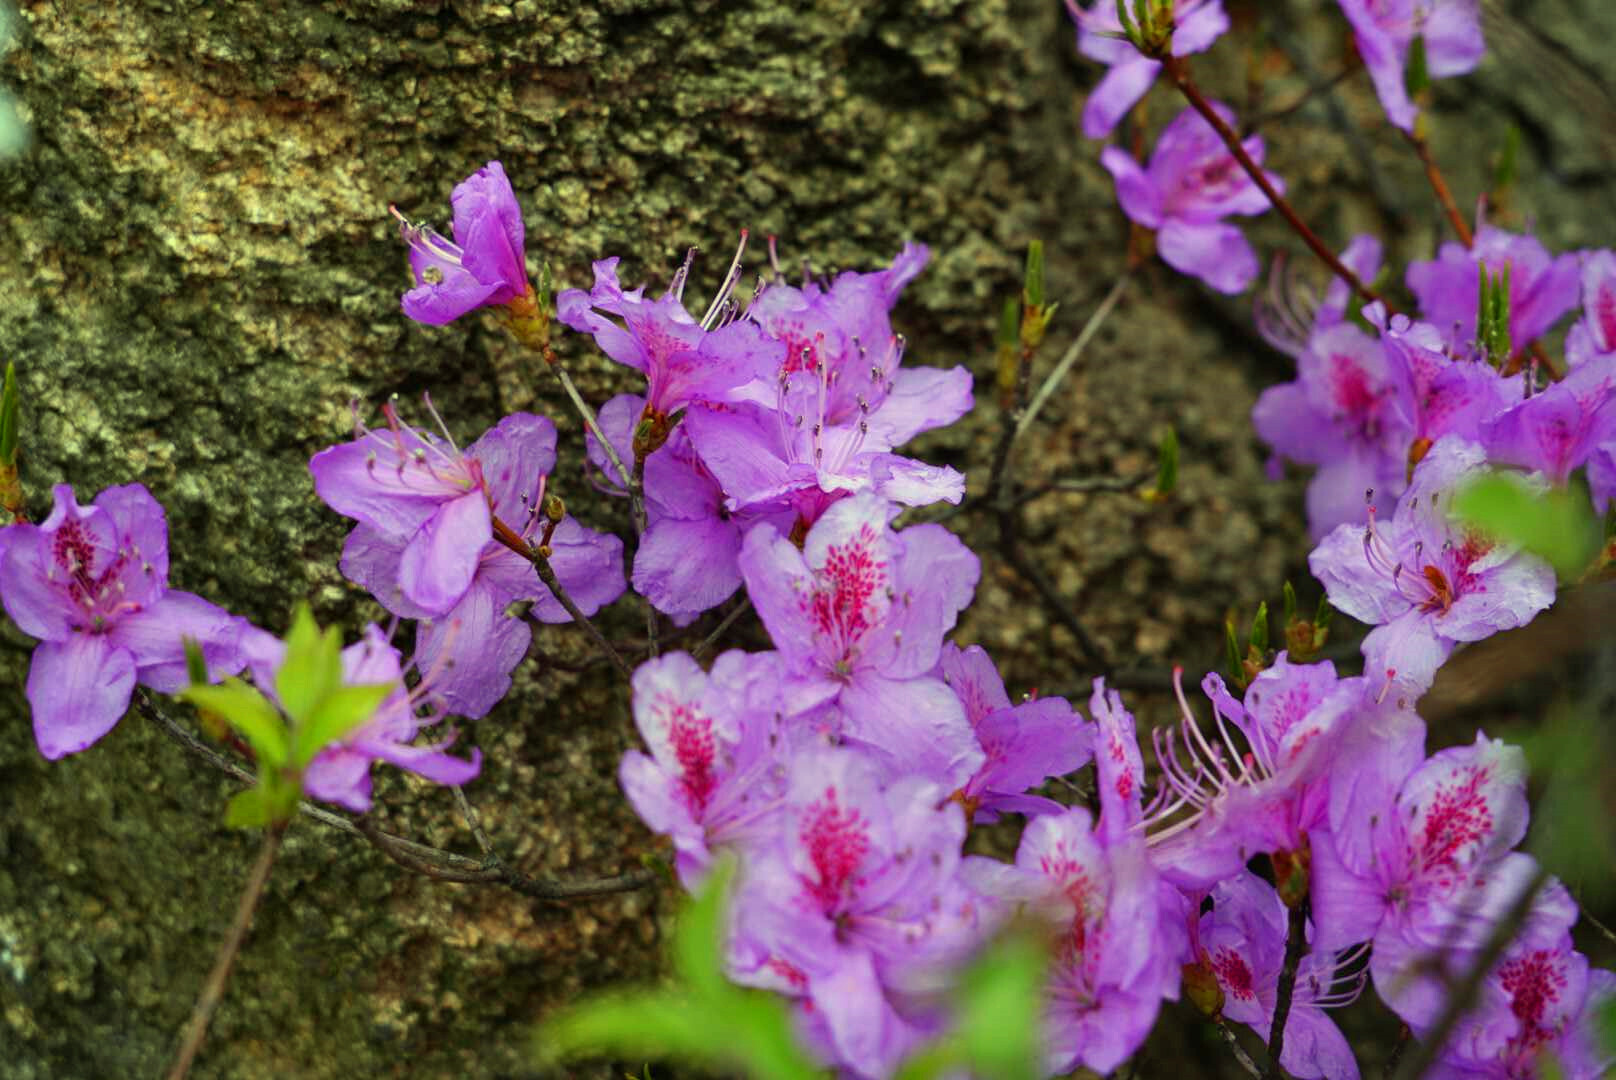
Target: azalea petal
(440, 560)
(467, 654)
(79, 689)
(1217, 253)
(155, 638)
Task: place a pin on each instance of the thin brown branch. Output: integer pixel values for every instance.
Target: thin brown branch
(1179, 71)
(1439, 185)
(1295, 943)
(513, 540)
(196, 1029)
(708, 642)
(414, 856)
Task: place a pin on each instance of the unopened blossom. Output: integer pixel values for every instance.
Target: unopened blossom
(857, 905)
(1024, 744)
(1196, 25)
(449, 571)
(1242, 941)
(1542, 287)
(683, 361)
(713, 777)
(91, 584)
(482, 266)
(1430, 870)
(1540, 1000)
(1121, 938)
(1424, 581)
(858, 613)
(1557, 429)
(1594, 334)
(340, 773)
(1385, 30)
(1191, 184)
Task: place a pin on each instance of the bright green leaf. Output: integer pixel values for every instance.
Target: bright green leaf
(698, 943)
(249, 809)
(196, 665)
(1259, 629)
(1416, 73)
(335, 716)
(250, 713)
(8, 416)
(1557, 525)
(312, 667)
(999, 1005)
(1033, 283)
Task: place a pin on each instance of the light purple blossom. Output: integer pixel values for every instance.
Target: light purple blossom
(858, 613)
(1385, 31)
(1435, 395)
(1594, 334)
(91, 583)
(425, 549)
(1542, 287)
(683, 361)
(1121, 938)
(1242, 941)
(1540, 999)
(482, 266)
(713, 777)
(1196, 25)
(1557, 429)
(1425, 583)
(1024, 744)
(858, 904)
(1191, 184)
(341, 773)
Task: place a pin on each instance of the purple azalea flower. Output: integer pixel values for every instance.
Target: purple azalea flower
(682, 360)
(1424, 583)
(1429, 870)
(1024, 744)
(1196, 25)
(449, 571)
(341, 773)
(1436, 395)
(857, 905)
(1191, 184)
(1342, 415)
(1594, 334)
(1542, 287)
(712, 778)
(483, 266)
(1385, 31)
(1291, 313)
(1602, 475)
(858, 614)
(1121, 944)
(1557, 429)
(1242, 941)
(1540, 999)
(91, 584)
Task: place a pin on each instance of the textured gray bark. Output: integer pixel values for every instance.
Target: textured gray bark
(201, 275)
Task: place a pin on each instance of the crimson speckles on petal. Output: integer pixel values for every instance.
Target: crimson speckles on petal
(849, 591)
(837, 840)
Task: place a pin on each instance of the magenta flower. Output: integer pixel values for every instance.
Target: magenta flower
(1024, 744)
(1191, 184)
(858, 614)
(483, 266)
(857, 905)
(1242, 941)
(1196, 25)
(713, 777)
(1121, 944)
(1557, 429)
(1385, 31)
(91, 584)
(1541, 999)
(682, 360)
(1594, 334)
(449, 571)
(1423, 582)
(341, 773)
(1435, 395)
(1542, 287)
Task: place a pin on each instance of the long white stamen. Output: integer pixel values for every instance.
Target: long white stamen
(731, 279)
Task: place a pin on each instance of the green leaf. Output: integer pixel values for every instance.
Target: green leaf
(249, 809)
(1416, 74)
(698, 943)
(1558, 525)
(999, 1003)
(1231, 640)
(8, 416)
(1167, 464)
(312, 668)
(1290, 604)
(335, 716)
(196, 665)
(1009, 324)
(1259, 629)
(1032, 289)
(250, 713)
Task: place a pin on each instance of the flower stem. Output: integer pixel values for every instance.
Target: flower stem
(1179, 71)
(511, 539)
(1295, 942)
(213, 990)
(1444, 194)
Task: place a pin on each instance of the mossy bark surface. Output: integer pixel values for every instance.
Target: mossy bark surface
(201, 277)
